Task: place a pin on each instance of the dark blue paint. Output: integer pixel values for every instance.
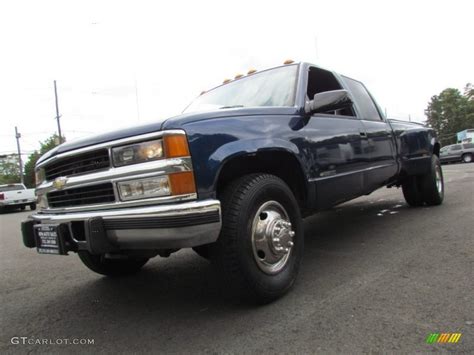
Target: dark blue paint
(340, 157)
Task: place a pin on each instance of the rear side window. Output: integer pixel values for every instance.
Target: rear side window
(456, 147)
(367, 108)
(468, 146)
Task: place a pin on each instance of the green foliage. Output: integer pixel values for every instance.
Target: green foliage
(450, 112)
(9, 170)
(45, 146)
(30, 169)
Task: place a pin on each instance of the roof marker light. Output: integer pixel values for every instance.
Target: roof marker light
(238, 76)
(251, 71)
(226, 81)
(289, 61)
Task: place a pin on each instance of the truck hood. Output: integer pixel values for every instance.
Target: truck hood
(104, 137)
(176, 122)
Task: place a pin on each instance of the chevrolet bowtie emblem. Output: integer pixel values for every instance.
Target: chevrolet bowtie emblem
(59, 182)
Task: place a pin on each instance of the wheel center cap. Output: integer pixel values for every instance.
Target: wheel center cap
(280, 236)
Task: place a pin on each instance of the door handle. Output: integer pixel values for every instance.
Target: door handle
(363, 134)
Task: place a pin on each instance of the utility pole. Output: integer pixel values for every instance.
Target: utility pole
(18, 136)
(57, 113)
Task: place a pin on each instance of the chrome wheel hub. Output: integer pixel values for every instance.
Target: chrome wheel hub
(272, 237)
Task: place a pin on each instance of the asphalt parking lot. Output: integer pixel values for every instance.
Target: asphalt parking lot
(377, 276)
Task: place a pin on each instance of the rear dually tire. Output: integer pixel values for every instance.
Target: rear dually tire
(425, 189)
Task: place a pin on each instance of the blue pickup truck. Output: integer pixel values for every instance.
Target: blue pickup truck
(231, 177)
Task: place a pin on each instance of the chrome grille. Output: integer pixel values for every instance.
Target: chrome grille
(87, 195)
(77, 164)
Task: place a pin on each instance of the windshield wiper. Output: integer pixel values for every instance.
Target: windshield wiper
(232, 106)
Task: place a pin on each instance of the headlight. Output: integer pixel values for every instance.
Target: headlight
(144, 188)
(39, 176)
(138, 153)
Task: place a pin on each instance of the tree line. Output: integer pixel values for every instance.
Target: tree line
(9, 171)
(450, 112)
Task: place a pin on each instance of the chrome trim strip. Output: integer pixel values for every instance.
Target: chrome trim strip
(139, 212)
(110, 144)
(349, 173)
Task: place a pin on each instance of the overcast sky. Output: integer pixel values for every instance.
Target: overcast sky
(106, 54)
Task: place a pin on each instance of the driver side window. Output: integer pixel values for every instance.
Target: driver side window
(320, 80)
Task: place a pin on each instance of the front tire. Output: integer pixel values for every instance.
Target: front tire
(260, 248)
(32, 206)
(111, 267)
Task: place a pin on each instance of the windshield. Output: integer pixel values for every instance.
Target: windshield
(11, 187)
(274, 87)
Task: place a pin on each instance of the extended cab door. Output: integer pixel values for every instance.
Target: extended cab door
(379, 140)
(334, 146)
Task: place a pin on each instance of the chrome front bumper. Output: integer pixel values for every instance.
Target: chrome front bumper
(169, 226)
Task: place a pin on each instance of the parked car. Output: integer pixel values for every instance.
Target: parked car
(231, 178)
(13, 196)
(457, 152)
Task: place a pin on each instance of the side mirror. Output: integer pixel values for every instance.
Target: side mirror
(329, 101)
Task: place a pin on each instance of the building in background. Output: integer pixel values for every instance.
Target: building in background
(9, 159)
(466, 136)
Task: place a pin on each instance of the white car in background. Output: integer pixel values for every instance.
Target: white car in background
(14, 196)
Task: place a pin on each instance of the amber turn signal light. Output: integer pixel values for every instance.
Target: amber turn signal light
(182, 183)
(176, 145)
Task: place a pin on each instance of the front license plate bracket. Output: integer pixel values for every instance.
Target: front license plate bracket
(50, 239)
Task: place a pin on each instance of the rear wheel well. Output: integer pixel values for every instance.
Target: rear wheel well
(281, 164)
